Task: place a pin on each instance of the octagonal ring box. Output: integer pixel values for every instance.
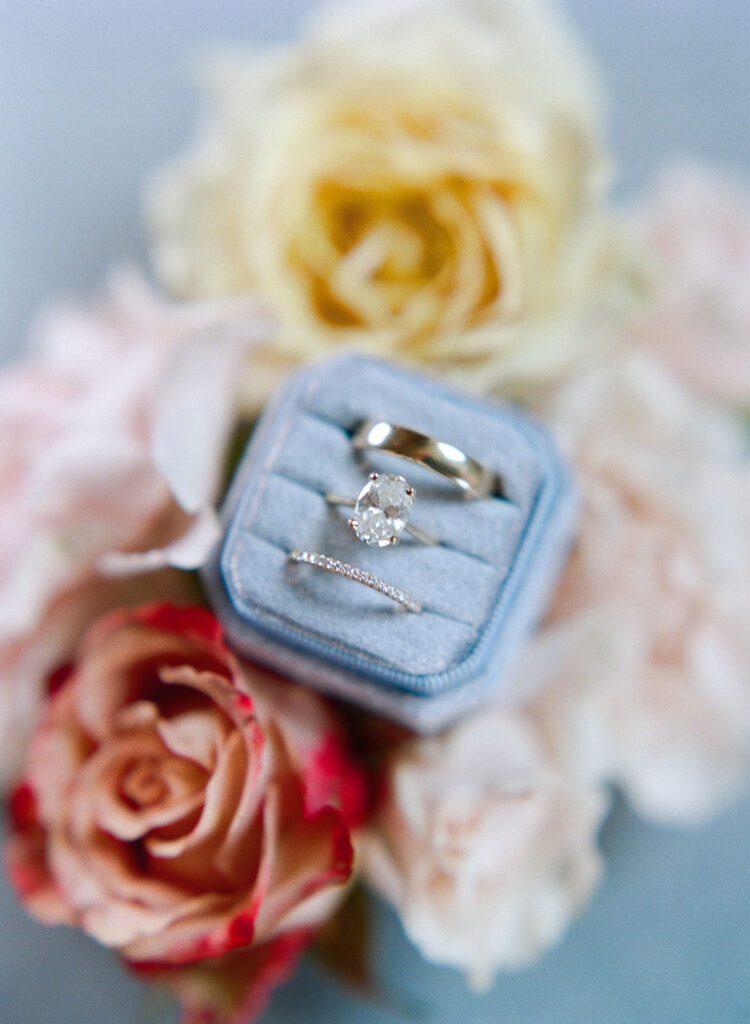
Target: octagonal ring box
(481, 588)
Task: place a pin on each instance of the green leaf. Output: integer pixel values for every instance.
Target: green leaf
(343, 945)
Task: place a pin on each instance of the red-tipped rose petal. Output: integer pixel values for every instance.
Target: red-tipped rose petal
(182, 620)
(234, 989)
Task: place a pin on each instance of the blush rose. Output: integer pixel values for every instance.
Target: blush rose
(649, 634)
(485, 841)
(695, 225)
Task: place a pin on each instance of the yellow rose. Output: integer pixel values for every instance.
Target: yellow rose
(420, 179)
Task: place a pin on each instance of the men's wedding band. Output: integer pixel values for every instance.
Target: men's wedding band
(469, 475)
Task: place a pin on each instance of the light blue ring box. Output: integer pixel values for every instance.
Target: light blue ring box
(482, 588)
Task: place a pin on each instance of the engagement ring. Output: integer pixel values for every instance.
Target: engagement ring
(382, 511)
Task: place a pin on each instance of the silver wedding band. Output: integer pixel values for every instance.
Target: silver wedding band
(469, 475)
(352, 572)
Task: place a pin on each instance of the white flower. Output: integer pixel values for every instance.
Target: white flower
(421, 179)
(485, 843)
(695, 224)
(652, 622)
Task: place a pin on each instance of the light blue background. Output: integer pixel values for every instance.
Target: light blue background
(92, 94)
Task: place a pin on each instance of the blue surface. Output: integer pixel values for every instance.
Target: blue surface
(666, 941)
(94, 92)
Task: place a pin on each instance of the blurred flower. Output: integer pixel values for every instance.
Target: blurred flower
(112, 438)
(652, 623)
(486, 843)
(419, 179)
(184, 809)
(696, 224)
(28, 661)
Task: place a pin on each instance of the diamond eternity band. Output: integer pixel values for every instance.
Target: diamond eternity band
(351, 572)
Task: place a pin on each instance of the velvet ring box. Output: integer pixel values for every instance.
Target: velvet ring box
(481, 588)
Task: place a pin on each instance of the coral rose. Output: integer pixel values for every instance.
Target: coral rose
(650, 632)
(419, 179)
(185, 809)
(486, 842)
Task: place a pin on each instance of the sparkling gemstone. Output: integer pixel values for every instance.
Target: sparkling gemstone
(382, 509)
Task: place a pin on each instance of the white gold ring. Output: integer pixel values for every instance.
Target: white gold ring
(469, 475)
(351, 572)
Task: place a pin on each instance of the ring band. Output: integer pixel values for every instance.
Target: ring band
(474, 479)
(382, 511)
(351, 572)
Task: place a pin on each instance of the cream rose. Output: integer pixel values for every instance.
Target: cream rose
(486, 842)
(650, 633)
(422, 180)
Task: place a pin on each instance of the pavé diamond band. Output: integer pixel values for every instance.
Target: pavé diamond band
(351, 572)
(382, 511)
(474, 479)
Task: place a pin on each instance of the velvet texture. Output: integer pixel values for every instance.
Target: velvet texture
(481, 588)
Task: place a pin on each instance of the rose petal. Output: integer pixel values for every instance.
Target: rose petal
(188, 551)
(196, 411)
(235, 989)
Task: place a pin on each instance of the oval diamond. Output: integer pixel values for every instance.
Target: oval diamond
(382, 509)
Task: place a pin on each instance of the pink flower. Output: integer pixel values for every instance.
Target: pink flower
(696, 225)
(184, 809)
(650, 634)
(486, 842)
(112, 437)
